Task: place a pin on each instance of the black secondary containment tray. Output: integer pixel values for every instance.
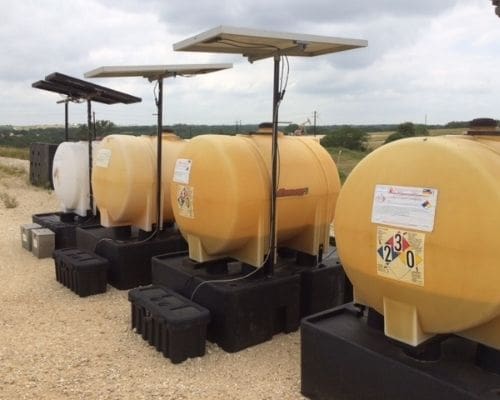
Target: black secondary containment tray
(128, 251)
(249, 311)
(41, 160)
(81, 271)
(174, 325)
(344, 358)
(63, 224)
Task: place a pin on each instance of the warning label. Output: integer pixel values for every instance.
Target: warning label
(400, 255)
(185, 198)
(103, 158)
(182, 170)
(405, 206)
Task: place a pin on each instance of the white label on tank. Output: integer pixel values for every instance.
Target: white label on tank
(35, 243)
(182, 170)
(400, 255)
(405, 207)
(185, 201)
(25, 237)
(103, 157)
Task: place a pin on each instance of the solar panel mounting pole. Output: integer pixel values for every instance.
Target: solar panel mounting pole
(159, 105)
(89, 136)
(274, 178)
(66, 135)
(66, 113)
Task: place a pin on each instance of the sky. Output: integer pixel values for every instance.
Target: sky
(426, 60)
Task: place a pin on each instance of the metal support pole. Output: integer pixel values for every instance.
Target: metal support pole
(89, 136)
(314, 126)
(274, 177)
(159, 206)
(66, 133)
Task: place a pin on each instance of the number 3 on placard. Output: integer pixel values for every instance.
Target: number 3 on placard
(398, 241)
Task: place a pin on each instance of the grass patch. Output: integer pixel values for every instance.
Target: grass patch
(447, 131)
(345, 160)
(22, 153)
(8, 200)
(11, 170)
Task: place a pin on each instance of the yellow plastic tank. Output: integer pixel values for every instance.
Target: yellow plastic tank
(417, 229)
(221, 195)
(124, 179)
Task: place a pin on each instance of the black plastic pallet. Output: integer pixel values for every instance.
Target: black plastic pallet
(41, 160)
(322, 287)
(250, 311)
(128, 252)
(343, 357)
(82, 272)
(174, 325)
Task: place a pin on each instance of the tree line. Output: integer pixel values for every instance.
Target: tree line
(352, 137)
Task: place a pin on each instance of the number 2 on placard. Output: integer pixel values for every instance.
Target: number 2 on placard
(387, 253)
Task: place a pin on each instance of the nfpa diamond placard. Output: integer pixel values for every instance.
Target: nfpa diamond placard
(400, 255)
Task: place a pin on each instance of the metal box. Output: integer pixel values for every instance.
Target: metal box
(42, 242)
(26, 235)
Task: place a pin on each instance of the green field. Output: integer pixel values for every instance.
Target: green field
(22, 153)
(377, 139)
(345, 159)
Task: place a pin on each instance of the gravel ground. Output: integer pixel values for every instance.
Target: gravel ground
(55, 345)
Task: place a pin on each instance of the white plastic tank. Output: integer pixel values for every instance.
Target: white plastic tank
(70, 174)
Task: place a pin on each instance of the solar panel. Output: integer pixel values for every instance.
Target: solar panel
(155, 72)
(259, 44)
(79, 89)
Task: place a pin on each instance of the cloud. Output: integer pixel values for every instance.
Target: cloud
(69, 36)
(438, 58)
(449, 66)
(285, 14)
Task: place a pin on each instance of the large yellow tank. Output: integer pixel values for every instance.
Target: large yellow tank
(221, 195)
(417, 229)
(124, 179)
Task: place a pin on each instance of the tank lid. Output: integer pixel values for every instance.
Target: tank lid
(169, 136)
(265, 128)
(168, 133)
(483, 126)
